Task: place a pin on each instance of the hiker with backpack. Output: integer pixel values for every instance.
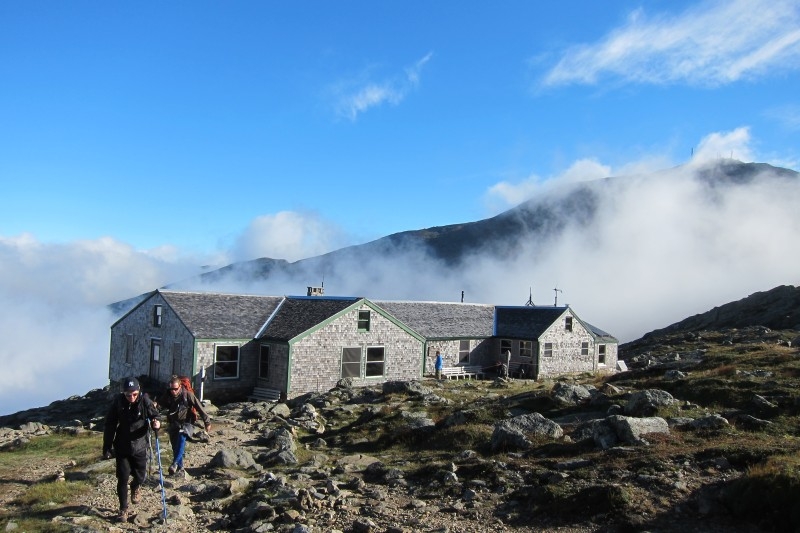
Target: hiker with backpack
(125, 437)
(183, 409)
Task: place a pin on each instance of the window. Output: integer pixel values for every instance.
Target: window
(263, 361)
(601, 354)
(155, 358)
(505, 346)
(363, 321)
(157, 315)
(463, 352)
(526, 348)
(375, 361)
(584, 348)
(548, 349)
(155, 350)
(176, 358)
(351, 362)
(226, 362)
(129, 348)
(568, 323)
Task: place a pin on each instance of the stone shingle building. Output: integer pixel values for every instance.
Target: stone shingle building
(233, 344)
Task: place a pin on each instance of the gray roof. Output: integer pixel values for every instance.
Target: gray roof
(443, 320)
(221, 316)
(599, 333)
(525, 322)
(298, 314)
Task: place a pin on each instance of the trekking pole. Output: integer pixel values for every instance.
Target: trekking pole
(161, 477)
(149, 471)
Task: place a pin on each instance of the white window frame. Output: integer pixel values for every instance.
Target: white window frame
(375, 358)
(547, 349)
(237, 362)
(349, 361)
(464, 352)
(526, 349)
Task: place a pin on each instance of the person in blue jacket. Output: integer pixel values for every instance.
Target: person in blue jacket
(439, 365)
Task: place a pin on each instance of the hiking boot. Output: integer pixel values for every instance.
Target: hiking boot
(172, 469)
(122, 516)
(135, 496)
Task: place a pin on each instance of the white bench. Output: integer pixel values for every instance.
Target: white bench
(263, 394)
(466, 372)
(474, 371)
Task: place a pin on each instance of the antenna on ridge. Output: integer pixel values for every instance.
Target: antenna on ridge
(530, 303)
(556, 290)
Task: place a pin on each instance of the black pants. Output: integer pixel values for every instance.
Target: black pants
(135, 464)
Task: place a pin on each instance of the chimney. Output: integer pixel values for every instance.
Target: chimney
(315, 291)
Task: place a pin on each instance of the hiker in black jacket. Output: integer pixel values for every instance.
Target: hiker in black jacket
(126, 432)
(178, 401)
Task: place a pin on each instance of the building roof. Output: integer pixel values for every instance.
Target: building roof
(525, 322)
(221, 316)
(443, 320)
(298, 314)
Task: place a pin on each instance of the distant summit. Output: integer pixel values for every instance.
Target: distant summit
(778, 308)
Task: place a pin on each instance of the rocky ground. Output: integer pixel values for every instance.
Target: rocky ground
(666, 446)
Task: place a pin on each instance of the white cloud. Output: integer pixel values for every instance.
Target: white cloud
(733, 144)
(713, 43)
(287, 235)
(505, 194)
(355, 98)
(54, 315)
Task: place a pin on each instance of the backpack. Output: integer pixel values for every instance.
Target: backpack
(186, 383)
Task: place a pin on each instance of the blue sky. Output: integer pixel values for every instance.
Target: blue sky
(139, 141)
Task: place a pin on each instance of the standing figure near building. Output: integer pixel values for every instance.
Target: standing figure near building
(439, 365)
(125, 433)
(183, 408)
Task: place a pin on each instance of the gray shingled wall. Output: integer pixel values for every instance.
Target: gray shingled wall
(317, 358)
(139, 323)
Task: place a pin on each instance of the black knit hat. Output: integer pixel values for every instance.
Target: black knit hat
(130, 384)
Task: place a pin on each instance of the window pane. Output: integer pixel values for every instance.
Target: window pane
(375, 353)
(374, 369)
(351, 355)
(351, 370)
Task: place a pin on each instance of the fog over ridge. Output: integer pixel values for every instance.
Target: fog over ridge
(631, 254)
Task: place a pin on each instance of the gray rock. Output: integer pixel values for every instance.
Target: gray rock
(647, 402)
(616, 429)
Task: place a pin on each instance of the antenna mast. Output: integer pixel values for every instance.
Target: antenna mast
(556, 290)
(530, 303)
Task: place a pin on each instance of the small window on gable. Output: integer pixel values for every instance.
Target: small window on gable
(601, 354)
(568, 323)
(157, 315)
(463, 352)
(363, 320)
(585, 348)
(548, 349)
(526, 348)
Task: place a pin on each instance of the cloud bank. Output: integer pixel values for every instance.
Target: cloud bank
(711, 44)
